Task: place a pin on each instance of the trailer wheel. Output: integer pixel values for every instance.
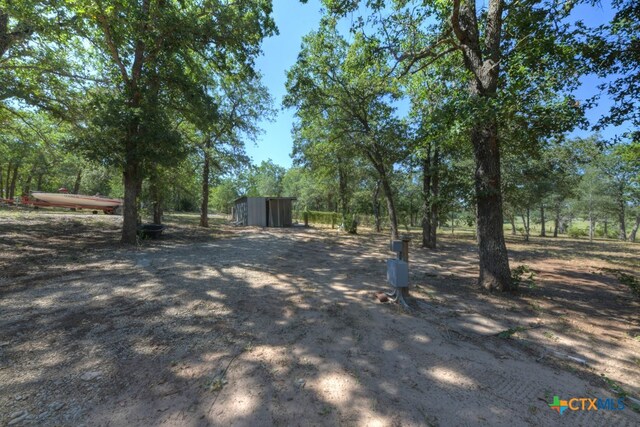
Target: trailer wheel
(95, 212)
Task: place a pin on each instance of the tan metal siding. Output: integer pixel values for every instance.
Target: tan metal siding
(257, 209)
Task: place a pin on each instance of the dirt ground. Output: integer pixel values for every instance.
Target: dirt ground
(256, 327)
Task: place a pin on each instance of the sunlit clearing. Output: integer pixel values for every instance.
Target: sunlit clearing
(449, 376)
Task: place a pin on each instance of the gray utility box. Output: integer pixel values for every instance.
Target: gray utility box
(396, 246)
(398, 273)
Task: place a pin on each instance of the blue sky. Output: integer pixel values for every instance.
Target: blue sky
(294, 20)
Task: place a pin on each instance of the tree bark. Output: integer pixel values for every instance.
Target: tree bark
(376, 206)
(1, 183)
(525, 225)
(622, 235)
(452, 220)
(426, 197)
(543, 224)
(391, 207)
(435, 191)
(494, 262)
(377, 161)
(556, 223)
(27, 185)
(7, 182)
(512, 220)
(76, 185)
(591, 226)
(482, 60)
(342, 193)
(634, 231)
(157, 199)
(204, 207)
(430, 191)
(14, 179)
(132, 184)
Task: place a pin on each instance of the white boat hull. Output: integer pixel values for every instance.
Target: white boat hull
(79, 200)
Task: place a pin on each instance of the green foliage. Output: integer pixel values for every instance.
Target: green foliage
(263, 180)
(577, 231)
(508, 333)
(223, 195)
(612, 48)
(319, 218)
(350, 224)
(523, 275)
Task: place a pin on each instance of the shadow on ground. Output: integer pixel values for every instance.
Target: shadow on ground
(262, 327)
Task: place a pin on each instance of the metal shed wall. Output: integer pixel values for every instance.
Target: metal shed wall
(264, 211)
(240, 211)
(279, 212)
(257, 211)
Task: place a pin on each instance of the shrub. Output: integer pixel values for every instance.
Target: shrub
(317, 217)
(523, 275)
(577, 232)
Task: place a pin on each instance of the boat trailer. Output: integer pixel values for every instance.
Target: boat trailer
(27, 201)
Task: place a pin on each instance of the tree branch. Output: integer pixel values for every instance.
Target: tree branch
(113, 49)
(52, 71)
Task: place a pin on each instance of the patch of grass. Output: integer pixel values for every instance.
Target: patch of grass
(326, 410)
(535, 307)
(617, 388)
(550, 335)
(523, 275)
(216, 383)
(509, 332)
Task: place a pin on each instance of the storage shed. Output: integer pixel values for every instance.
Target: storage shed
(264, 211)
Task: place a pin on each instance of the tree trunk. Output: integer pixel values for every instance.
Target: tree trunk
(14, 179)
(634, 231)
(453, 217)
(132, 184)
(543, 224)
(39, 181)
(411, 212)
(391, 207)
(606, 228)
(342, 193)
(376, 207)
(556, 223)
(430, 190)
(204, 207)
(7, 182)
(512, 220)
(76, 185)
(494, 262)
(1, 183)
(525, 225)
(426, 198)
(622, 235)
(482, 59)
(157, 199)
(591, 226)
(435, 191)
(26, 189)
